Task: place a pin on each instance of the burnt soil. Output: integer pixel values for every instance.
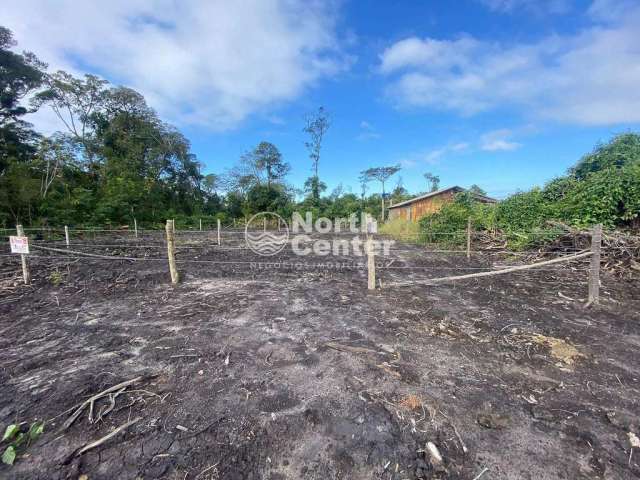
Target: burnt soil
(300, 372)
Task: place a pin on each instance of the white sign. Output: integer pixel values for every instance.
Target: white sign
(19, 244)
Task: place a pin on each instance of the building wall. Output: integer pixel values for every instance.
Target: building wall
(418, 209)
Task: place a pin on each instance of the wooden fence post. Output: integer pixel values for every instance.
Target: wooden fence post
(26, 276)
(219, 243)
(468, 238)
(264, 224)
(371, 265)
(66, 235)
(594, 271)
(135, 227)
(171, 251)
(200, 224)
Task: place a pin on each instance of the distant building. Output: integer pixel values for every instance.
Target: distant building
(416, 208)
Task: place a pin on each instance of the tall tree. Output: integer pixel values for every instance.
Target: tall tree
(53, 155)
(210, 183)
(316, 127)
(241, 177)
(475, 189)
(142, 166)
(268, 159)
(433, 181)
(399, 193)
(313, 187)
(364, 183)
(20, 75)
(263, 164)
(382, 174)
(209, 186)
(265, 198)
(75, 102)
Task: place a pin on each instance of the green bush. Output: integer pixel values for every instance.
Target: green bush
(603, 187)
(620, 151)
(610, 197)
(449, 225)
(523, 210)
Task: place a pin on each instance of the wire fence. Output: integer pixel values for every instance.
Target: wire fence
(228, 247)
(235, 240)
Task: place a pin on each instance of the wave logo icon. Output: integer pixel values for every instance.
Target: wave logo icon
(263, 241)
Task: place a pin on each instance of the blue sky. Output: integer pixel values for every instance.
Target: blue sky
(503, 93)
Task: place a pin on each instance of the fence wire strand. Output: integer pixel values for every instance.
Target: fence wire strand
(149, 237)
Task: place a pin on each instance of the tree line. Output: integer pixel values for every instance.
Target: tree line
(114, 159)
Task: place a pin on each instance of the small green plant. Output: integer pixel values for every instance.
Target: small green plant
(55, 278)
(19, 440)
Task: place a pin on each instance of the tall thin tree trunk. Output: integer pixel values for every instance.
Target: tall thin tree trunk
(382, 219)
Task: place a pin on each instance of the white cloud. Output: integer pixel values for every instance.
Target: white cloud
(437, 54)
(408, 162)
(537, 6)
(591, 77)
(210, 63)
(493, 141)
(368, 136)
(610, 10)
(459, 147)
(433, 156)
(498, 140)
(499, 145)
(368, 131)
(276, 120)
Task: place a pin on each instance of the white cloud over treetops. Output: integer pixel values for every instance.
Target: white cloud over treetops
(208, 63)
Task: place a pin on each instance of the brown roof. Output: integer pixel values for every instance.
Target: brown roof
(439, 192)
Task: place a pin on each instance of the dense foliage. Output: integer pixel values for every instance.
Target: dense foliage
(114, 160)
(603, 187)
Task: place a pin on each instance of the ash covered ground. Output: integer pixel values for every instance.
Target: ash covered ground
(299, 372)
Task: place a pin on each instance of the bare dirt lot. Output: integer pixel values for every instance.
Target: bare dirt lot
(300, 372)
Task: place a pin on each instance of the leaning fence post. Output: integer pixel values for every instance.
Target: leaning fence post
(219, 232)
(371, 265)
(171, 251)
(135, 227)
(23, 258)
(594, 270)
(66, 235)
(468, 238)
